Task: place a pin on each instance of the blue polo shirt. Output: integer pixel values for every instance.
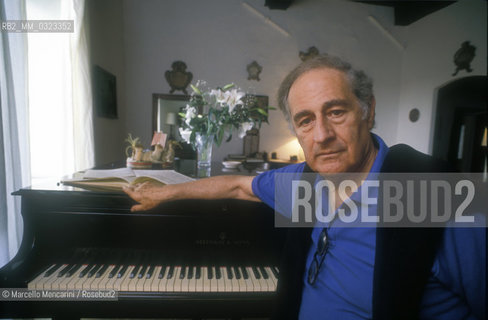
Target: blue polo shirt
(344, 285)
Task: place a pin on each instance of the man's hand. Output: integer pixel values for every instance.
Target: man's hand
(148, 195)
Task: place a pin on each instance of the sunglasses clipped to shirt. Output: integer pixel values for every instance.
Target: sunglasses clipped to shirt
(318, 257)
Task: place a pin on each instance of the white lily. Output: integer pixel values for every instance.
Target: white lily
(185, 134)
(219, 95)
(191, 112)
(243, 128)
(233, 98)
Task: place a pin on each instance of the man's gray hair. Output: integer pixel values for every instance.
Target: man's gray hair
(361, 84)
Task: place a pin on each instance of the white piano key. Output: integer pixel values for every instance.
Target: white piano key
(79, 284)
(177, 283)
(206, 281)
(101, 282)
(221, 281)
(263, 282)
(133, 282)
(235, 282)
(45, 283)
(248, 281)
(273, 282)
(199, 282)
(192, 282)
(124, 286)
(152, 284)
(69, 282)
(171, 282)
(160, 284)
(112, 283)
(146, 284)
(34, 283)
(255, 282)
(227, 281)
(185, 284)
(213, 281)
(242, 282)
(55, 285)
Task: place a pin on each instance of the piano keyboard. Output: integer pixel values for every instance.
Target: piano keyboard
(157, 278)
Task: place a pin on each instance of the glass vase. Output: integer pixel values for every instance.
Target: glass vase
(204, 150)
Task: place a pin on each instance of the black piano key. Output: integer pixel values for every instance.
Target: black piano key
(171, 272)
(150, 272)
(183, 272)
(245, 275)
(230, 274)
(114, 271)
(93, 270)
(134, 272)
(264, 273)
(85, 270)
(101, 271)
(141, 273)
(198, 272)
(210, 273)
(162, 272)
(256, 272)
(122, 271)
(190, 272)
(275, 271)
(72, 271)
(51, 270)
(64, 270)
(237, 273)
(218, 274)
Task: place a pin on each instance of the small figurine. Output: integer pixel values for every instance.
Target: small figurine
(137, 159)
(135, 147)
(168, 156)
(178, 78)
(159, 142)
(463, 57)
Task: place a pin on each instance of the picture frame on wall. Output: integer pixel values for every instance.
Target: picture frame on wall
(104, 93)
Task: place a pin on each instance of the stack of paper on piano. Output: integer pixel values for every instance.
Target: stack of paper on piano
(115, 179)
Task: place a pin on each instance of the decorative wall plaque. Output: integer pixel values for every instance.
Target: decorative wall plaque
(414, 115)
(178, 78)
(253, 70)
(312, 52)
(463, 57)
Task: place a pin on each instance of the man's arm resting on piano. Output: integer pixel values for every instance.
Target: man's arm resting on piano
(219, 187)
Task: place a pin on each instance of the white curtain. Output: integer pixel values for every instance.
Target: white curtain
(46, 106)
(14, 130)
(60, 92)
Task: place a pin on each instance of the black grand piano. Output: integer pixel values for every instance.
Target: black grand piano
(185, 259)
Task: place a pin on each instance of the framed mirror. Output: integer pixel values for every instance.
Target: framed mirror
(165, 118)
(165, 113)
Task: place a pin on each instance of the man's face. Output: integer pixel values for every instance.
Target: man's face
(329, 122)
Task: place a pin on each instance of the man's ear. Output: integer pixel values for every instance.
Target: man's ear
(371, 113)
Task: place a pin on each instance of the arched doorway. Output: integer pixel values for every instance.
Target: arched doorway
(461, 120)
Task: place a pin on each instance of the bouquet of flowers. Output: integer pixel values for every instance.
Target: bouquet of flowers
(218, 113)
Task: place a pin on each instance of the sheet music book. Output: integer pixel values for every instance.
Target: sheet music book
(116, 179)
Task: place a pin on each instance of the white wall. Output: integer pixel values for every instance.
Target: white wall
(218, 38)
(107, 51)
(428, 64)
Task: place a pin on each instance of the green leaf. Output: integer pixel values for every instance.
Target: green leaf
(197, 91)
(261, 111)
(228, 86)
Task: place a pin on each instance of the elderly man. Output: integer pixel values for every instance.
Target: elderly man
(351, 273)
